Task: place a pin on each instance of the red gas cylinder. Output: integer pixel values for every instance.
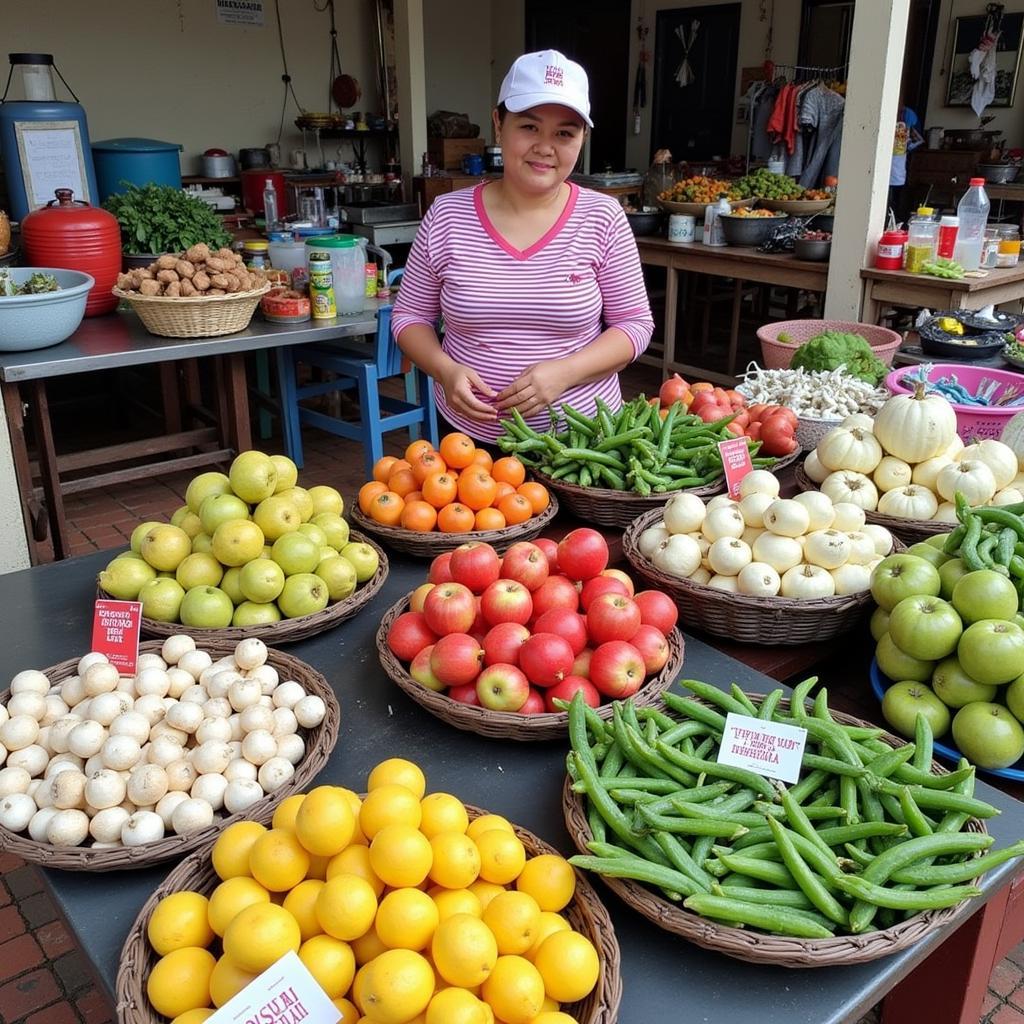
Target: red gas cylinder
(73, 235)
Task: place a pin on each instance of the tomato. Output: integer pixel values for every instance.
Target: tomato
(721, 397)
(673, 390)
(711, 413)
(736, 400)
(700, 399)
(783, 413)
(702, 386)
(777, 436)
(742, 418)
(756, 411)
(735, 429)
(754, 431)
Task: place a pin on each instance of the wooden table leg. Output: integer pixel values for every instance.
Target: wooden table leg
(48, 470)
(869, 310)
(171, 397)
(22, 468)
(671, 300)
(237, 391)
(734, 328)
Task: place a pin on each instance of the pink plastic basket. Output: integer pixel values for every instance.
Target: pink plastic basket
(972, 421)
(777, 355)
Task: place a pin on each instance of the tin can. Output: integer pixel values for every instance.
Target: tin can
(371, 280)
(321, 286)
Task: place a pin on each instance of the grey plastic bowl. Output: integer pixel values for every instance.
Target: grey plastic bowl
(749, 230)
(36, 321)
(814, 249)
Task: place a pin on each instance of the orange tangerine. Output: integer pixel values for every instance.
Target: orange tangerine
(368, 492)
(455, 518)
(489, 519)
(403, 483)
(419, 516)
(482, 457)
(457, 450)
(509, 470)
(440, 489)
(386, 508)
(536, 494)
(516, 509)
(442, 812)
(384, 467)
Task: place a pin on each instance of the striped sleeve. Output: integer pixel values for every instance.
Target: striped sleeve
(621, 280)
(419, 294)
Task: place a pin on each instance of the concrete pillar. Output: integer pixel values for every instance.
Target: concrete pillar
(876, 64)
(13, 542)
(412, 89)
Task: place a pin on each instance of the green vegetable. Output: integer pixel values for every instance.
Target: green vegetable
(942, 267)
(161, 219)
(37, 284)
(831, 349)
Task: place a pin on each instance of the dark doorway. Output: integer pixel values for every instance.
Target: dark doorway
(596, 34)
(695, 120)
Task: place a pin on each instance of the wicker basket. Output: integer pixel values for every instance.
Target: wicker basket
(810, 431)
(797, 207)
(777, 355)
(758, 947)
(773, 621)
(429, 545)
(287, 631)
(319, 744)
(503, 724)
(586, 913)
(910, 531)
(206, 317)
(697, 209)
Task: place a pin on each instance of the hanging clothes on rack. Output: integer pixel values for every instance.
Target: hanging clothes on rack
(822, 117)
(761, 97)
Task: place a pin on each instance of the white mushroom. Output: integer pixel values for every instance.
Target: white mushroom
(288, 694)
(239, 769)
(141, 828)
(179, 681)
(211, 789)
(190, 816)
(243, 693)
(257, 717)
(168, 802)
(62, 763)
(106, 825)
(108, 706)
(240, 794)
(88, 660)
(132, 724)
(275, 773)
(151, 707)
(185, 716)
(33, 758)
(87, 738)
(174, 648)
(194, 694)
(67, 790)
(19, 731)
(259, 747)
(72, 691)
(14, 780)
(68, 827)
(150, 660)
(60, 731)
(291, 748)
(100, 678)
(40, 822)
(147, 783)
(152, 681)
(218, 729)
(55, 708)
(194, 662)
(28, 703)
(93, 765)
(211, 758)
(16, 811)
(285, 722)
(164, 751)
(266, 676)
(250, 653)
(310, 711)
(235, 725)
(104, 789)
(180, 775)
(165, 729)
(121, 753)
(218, 707)
(30, 681)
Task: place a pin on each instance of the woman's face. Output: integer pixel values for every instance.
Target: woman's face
(539, 146)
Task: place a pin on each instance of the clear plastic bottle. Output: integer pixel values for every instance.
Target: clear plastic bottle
(714, 232)
(972, 212)
(270, 204)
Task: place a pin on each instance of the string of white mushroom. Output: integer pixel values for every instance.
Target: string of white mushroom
(818, 394)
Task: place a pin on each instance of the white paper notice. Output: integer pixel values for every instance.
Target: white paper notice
(51, 158)
(240, 12)
(284, 993)
(768, 748)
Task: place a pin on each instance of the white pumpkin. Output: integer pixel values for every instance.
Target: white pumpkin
(862, 547)
(969, 476)
(827, 548)
(728, 555)
(891, 473)
(1013, 435)
(956, 444)
(758, 579)
(910, 502)
(945, 513)
(848, 517)
(678, 556)
(750, 534)
(819, 508)
(851, 487)
(1008, 496)
(1000, 458)
(851, 578)
(759, 481)
(881, 537)
(726, 583)
(814, 469)
(786, 517)
(651, 539)
(849, 448)
(701, 576)
(684, 513)
(781, 553)
(915, 427)
(724, 521)
(722, 500)
(859, 419)
(753, 506)
(926, 472)
(807, 582)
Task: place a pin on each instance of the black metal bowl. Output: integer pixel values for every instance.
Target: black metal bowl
(749, 230)
(645, 222)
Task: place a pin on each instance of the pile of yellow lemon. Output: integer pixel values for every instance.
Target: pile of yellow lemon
(404, 910)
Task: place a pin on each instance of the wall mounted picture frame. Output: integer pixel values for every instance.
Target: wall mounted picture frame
(967, 32)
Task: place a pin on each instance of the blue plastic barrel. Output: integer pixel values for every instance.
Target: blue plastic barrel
(136, 161)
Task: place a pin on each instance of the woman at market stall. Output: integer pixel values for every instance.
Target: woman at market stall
(538, 281)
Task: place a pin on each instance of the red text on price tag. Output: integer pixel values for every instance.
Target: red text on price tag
(116, 626)
(736, 462)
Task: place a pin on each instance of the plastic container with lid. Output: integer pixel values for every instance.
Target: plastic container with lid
(922, 238)
(348, 262)
(135, 161)
(949, 228)
(255, 253)
(890, 250)
(1009, 246)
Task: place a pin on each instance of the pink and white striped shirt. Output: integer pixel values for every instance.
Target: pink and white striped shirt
(506, 309)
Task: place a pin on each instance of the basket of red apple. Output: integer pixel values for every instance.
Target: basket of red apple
(495, 644)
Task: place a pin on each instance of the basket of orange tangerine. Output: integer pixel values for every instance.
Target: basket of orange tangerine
(432, 500)
(404, 906)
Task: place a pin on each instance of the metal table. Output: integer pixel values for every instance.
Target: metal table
(117, 341)
(48, 619)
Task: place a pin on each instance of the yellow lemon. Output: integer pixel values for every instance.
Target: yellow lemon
(549, 879)
(318, 867)
(548, 924)
(180, 981)
(553, 1017)
(502, 856)
(486, 822)
(513, 918)
(286, 812)
(331, 962)
(227, 980)
(455, 901)
(346, 907)
(180, 920)
(396, 771)
(463, 950)
(358, 989)
(349, 1013)
(301, 904)
(324, 823)
(259, 935)
(514, 990)
(278, 861)
(485, 892)
(549, 1005)
(355, 860)
(456, 1006)
(367, 946)
(400, 855)
(355, 803)
(456, 862)
(230, 854)
(389, 805)
(398, 986)
(442, 812)
(230, 898)
(406, 919)
(568, 963)
(194, 1016)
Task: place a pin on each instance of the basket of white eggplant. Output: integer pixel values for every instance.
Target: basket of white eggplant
(904, 466)
(763, 569)
(821, 399)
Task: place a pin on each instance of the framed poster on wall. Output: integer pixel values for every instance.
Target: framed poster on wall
(51, 157)
(967, 33)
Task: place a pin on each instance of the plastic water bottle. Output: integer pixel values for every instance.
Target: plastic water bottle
(270, 205)
(972, 212)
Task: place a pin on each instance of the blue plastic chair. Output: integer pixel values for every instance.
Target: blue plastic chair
(355, 367)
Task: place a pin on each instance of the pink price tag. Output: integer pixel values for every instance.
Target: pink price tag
(736, 462)
(116, 627)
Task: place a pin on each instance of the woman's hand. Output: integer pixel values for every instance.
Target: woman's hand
(537, 387)
(462, 384)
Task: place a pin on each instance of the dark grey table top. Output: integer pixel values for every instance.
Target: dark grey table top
(47, 619)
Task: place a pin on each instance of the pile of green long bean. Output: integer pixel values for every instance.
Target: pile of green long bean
(632, 449)
(868, 836)
(990, 537)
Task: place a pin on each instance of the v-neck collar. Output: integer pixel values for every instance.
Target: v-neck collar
(503, 243)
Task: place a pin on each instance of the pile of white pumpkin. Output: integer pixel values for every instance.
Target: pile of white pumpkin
(766, 546)
(111, 760)
(909, 462)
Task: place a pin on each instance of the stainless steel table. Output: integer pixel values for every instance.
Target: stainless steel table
(47, 619)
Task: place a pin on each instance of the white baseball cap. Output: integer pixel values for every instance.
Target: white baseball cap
(546, 77)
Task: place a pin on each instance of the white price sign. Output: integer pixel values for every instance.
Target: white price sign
(770, 749)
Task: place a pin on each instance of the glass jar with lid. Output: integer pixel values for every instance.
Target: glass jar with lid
(1009, 245)
(923, 235)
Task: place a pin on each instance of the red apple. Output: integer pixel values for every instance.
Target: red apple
(421, 672)
(570, 625)
(450, 608)
(555, 592)
(598, 585)
(479, 625)
(502, 643)
(506, 601)
(581, 666)
(546, 659)
(409, 634)
(534, 704)
(502, 688)
(612, 617)
(419, 595)
(624, 577)
(526, 563)
(657, 609)
(617, 669)
(582, 553)
(456, 659)
(653, 648)
(475, 565)
(465, 694)
(550, 548)
(440, 569)
(566, 689)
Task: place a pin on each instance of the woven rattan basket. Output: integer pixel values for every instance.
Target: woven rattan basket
(319, 741)
(745, 943)
(697, 209)
(586, 913)
(206, 317)
(503, 724)
(775, 621)
(429, 545)
(287, 631)
(910, 531)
